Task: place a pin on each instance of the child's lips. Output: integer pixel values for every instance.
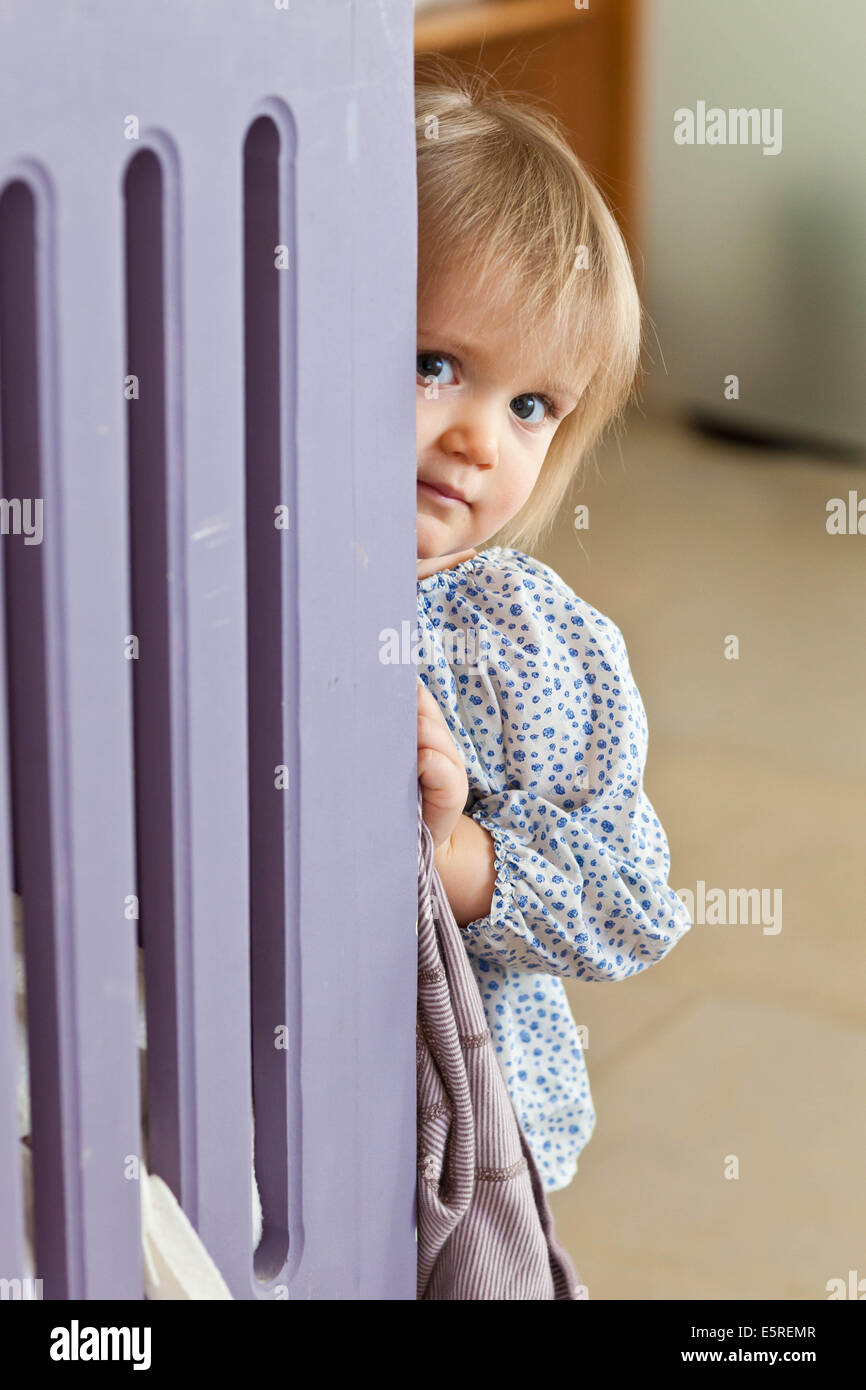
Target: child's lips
(446, 496)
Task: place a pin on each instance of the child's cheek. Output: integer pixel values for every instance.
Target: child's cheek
(429, 425)
(521, 489)
(422, 420)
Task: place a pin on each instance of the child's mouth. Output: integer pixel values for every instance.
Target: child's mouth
(436, 494)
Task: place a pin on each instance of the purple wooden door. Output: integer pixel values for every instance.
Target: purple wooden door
(207, 301)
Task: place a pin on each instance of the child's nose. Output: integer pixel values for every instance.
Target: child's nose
(474, 440)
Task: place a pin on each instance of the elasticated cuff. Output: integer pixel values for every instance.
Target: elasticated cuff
(507, 865)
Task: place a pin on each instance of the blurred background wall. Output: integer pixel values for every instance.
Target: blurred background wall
(770, 246)
(728, 1080)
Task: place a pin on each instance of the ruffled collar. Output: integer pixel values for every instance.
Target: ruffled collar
(441, 579)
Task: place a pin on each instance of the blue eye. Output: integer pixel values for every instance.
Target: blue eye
(432, 364)
(524, 406)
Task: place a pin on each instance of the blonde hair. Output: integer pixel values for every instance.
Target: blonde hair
(501, 192)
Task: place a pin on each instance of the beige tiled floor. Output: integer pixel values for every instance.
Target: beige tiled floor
(740, 1042)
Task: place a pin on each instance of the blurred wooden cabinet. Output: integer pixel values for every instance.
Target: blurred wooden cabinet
(581, 62)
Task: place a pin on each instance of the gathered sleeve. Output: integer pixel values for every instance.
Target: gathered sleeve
(581, 860)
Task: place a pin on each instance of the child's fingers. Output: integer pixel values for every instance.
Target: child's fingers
(436, 773)
(427, 702)
(438, 736)
(441, 773)
(433, 732)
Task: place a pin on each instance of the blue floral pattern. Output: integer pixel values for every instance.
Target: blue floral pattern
(553, 734)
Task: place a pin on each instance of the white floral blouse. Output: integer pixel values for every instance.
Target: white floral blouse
(536, 689)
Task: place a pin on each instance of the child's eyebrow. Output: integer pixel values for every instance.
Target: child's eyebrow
(557, 388)
(445, 339)
(463, 349)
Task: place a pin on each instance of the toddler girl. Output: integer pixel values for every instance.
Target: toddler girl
(532, 736)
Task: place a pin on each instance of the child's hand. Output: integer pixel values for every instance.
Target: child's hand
(444, 784)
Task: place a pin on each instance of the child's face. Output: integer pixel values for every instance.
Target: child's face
(486, 419)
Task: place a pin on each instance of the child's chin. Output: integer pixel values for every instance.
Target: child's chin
(434, 539)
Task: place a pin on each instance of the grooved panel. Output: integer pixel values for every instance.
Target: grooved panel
(157, 150)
